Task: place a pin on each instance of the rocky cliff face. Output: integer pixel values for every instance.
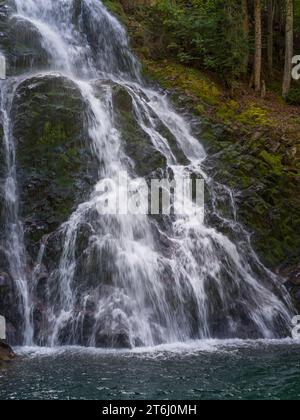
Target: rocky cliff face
(56, 169)
(248, 148)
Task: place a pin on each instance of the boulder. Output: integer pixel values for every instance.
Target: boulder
(56, 168)
(6, 352)
(9, 308)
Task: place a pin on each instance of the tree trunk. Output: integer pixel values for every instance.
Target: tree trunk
(258, 45)
(289, 47)
(270, 35)
(246, 31)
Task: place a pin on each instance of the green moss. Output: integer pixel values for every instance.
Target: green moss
(255, 116)
(56, 169)
(116, 8)
(190, 81)
(228, 112)
(205, 96)
(273, 161)
(200, 109)
(268, 201)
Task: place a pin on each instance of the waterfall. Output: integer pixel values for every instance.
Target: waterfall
(153, 280)
(14, 229)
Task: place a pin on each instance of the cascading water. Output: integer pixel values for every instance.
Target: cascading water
(152, 280)
(14, 229)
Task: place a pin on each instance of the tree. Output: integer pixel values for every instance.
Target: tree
(234, 38)
(258, 45)
(246, 31)
(289, 47)
(271, 10)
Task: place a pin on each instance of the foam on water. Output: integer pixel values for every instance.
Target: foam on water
(163, 351)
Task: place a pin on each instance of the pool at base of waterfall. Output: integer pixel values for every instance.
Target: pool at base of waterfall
(196, 371)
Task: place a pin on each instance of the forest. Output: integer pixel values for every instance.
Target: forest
(248, 40)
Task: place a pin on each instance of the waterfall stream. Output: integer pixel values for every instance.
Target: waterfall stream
(153, 280)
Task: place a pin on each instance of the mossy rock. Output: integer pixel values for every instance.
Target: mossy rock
(55, 166)
(20, 42)
(268, 198)
(145, 159)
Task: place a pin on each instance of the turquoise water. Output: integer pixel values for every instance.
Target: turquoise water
(203, 370)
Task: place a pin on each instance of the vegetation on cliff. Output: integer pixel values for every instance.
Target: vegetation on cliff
(236, 39)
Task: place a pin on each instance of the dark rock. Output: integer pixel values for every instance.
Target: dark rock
(6, 352)
(297, 295)
(137, 143)
(20, 42)
(102, 41)
(267, 202)
(56, 169)
(292, 275)
(4, 280)
(9, 308)
(145, 159)
(2, 174)
(3, 255)
(116, 341)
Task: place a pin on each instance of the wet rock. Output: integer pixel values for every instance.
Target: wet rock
(9, 307)
(292, 274)
(4, 280)
(112, 331)
(8, 302)
(297, 295)
(77, 10)
(2, 162)
(106, 42)
(56, 169)
(115, 341)
(267, 202)
(3, 255)
(2, 174)
(137, 143)
(20, 42)
(6, 352)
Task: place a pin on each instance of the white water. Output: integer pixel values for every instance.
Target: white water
(14, 229)
(163, 351)
(203, 286)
